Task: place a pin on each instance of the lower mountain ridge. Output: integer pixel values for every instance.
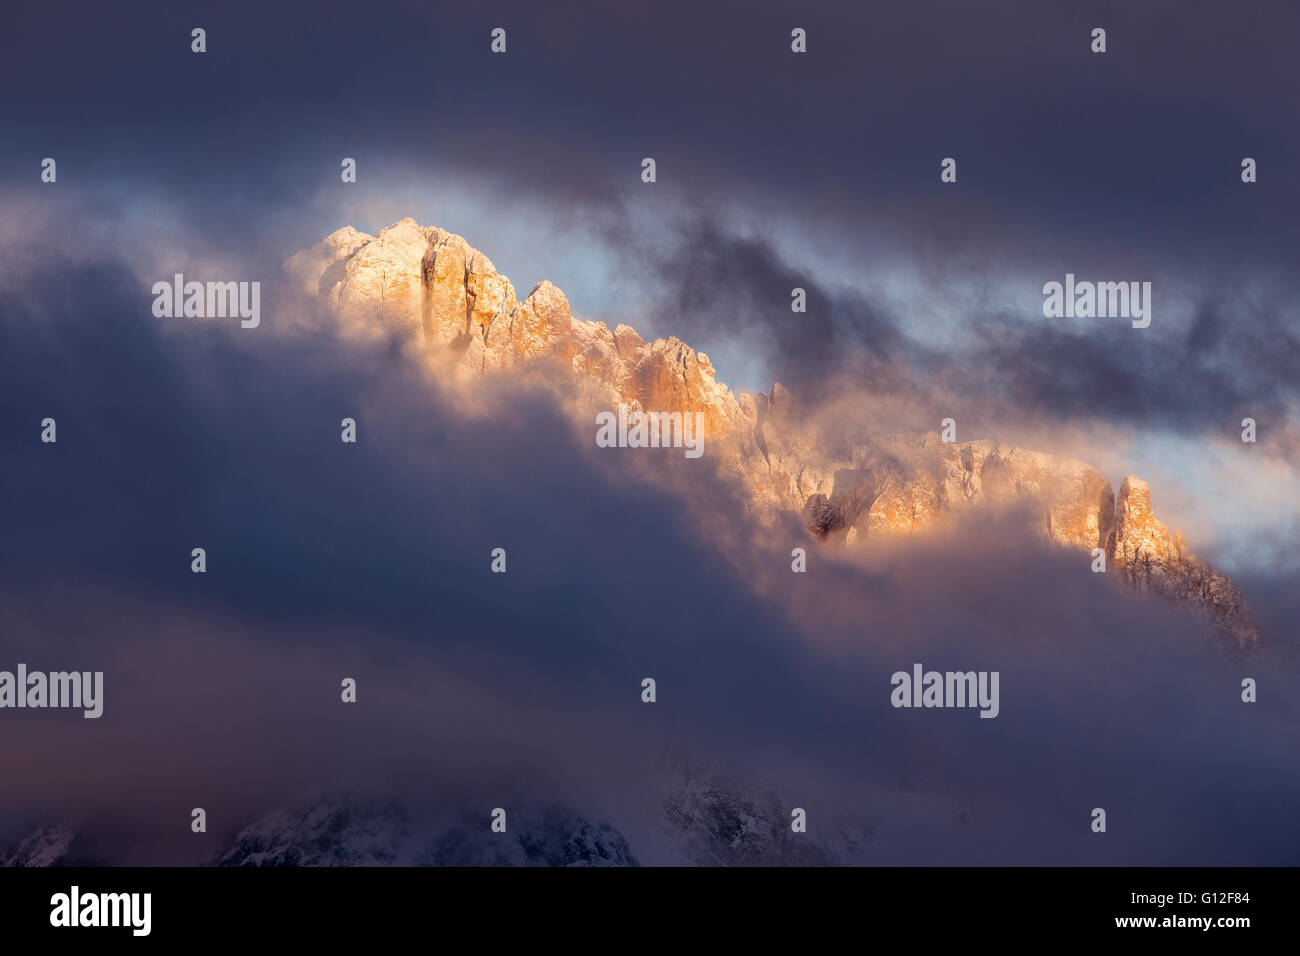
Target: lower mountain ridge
(706, 820)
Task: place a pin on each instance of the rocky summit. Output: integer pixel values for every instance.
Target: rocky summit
(446, 300)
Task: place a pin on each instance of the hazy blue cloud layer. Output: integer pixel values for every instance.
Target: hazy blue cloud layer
(327, 560)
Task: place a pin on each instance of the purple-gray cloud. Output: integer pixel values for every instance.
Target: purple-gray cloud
(371, 561)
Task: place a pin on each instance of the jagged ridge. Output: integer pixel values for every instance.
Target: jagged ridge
(447, 298)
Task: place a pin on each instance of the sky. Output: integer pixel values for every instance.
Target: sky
(774, 170)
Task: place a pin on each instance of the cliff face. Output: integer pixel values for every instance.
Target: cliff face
(447, 299)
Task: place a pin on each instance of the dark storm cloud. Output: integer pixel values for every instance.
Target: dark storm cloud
(172, 437)
(1237, 355)
(1138, 148)
(1117, 165)
(372, 561)
(1122, 165)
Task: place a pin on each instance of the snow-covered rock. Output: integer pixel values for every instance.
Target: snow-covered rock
(341, 830)
(447, 300)
(332, 830)
(47, 846)
(717, 823)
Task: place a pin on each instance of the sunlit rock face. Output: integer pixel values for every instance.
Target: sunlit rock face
(319, 268)
(1150, 558)
(907, 483)
(447, 301)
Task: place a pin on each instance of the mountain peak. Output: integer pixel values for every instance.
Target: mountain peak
(449, 303)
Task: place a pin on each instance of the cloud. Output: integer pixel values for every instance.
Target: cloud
(1138, 148)
(776, 170)
(328, 560)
